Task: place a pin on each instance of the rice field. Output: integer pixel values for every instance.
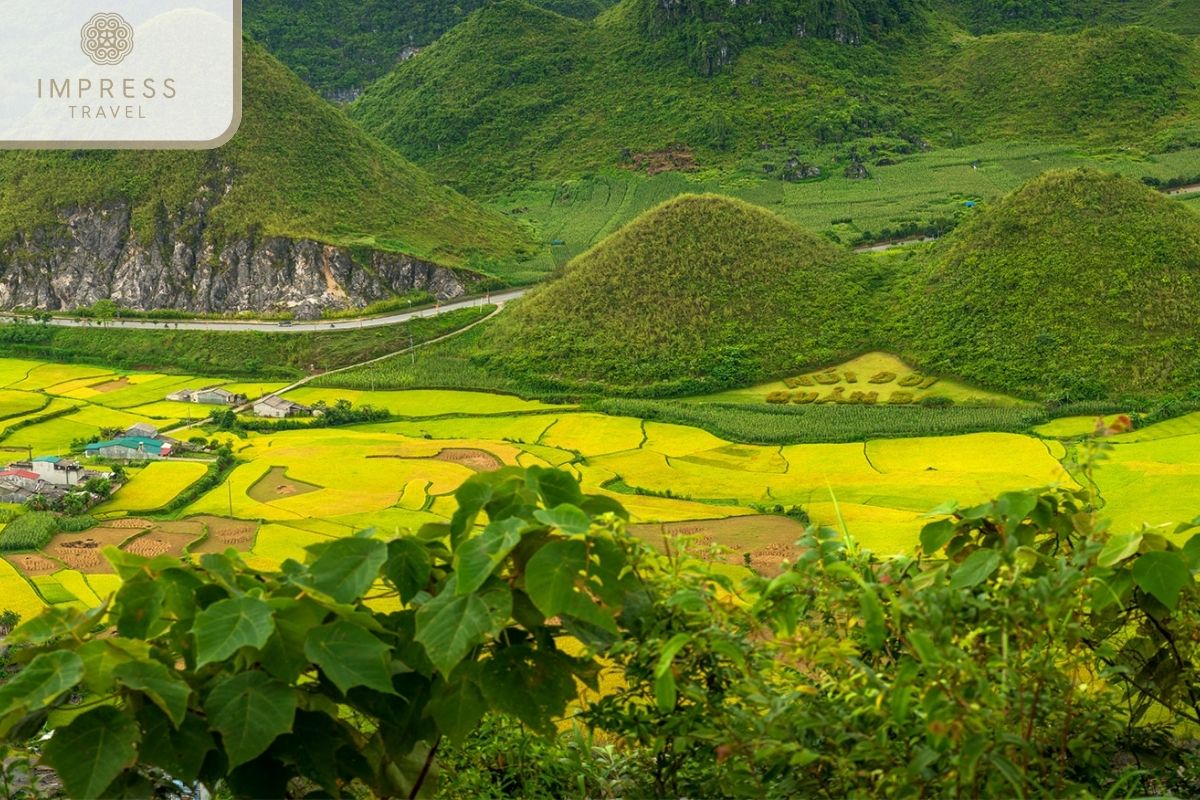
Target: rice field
(296, 488)
(153, 487)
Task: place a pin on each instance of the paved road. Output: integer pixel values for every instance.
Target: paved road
(498, 299)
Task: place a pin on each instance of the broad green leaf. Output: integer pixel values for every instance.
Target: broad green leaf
(556, 486)
(408, 567)
(102, 656)
(935, 535)
(1162, 574)
(597, 504)
(93, 751)
(450, 625)
(40, 683)
(551, 575)
(1192, 551)
(283, 655)
(532, 685)
(1118, 548)
(56, 622)
(977, 568)
(346, 568)
(457, 709)
(179, 752)
(350, 656)
(1016, 506)
(164, 688)
(874, 627)
(229, 625)
(476, 559)
(140, 608)
(567, 518)
(250, 710)
(552, 580)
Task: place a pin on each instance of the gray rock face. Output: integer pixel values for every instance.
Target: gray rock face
(94, 254)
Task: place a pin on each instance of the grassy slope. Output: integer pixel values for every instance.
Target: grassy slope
(703, 291)
(298, 167)
(340, 45)
(1081, 281)
(515, 94)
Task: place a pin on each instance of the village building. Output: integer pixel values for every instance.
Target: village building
(143, 429)
(211, 396)
(55, 470)
(131, 448)
(278, 408)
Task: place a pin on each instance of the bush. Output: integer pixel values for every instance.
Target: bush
(31, 531)
(936, 401)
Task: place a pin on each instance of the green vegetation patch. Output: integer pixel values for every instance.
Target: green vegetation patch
(226, 353)
(31, 531)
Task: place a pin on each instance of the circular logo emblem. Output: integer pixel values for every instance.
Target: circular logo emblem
(106, 39)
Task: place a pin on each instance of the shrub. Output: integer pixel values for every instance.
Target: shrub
(936, 401)
(77, 524)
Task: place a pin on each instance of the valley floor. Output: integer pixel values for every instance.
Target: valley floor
(299, 487)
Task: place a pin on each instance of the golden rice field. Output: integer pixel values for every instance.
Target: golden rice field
(396, 476)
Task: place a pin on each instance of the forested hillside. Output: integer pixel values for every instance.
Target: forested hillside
(515, 94)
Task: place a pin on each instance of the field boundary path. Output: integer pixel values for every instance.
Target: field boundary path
(318, 326)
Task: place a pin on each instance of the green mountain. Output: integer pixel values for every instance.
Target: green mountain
(1081, 283)
(701, 292)
(340, 46)
(515, 93)
(298, 168)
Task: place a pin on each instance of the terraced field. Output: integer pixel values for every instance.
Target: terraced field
(389, 476)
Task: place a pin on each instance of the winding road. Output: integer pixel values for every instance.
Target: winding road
(494, 299)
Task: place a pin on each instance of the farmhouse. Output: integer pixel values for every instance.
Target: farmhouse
(131, 448)
(279, 408)
(142, 429)
(211, 396)
(54, 470)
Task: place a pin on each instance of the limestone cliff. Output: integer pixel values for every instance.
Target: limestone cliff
(96, 253)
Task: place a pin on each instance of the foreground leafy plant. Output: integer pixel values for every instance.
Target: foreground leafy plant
(276, 683)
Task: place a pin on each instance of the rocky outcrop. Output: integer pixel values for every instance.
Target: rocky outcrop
(95, 254)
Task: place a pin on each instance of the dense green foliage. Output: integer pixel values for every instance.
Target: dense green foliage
(514, 94)
(296, 168)
(1021, 652)
(30, 531)
(989, 16)
(712, 32)
(338, 46)
(760, 424)
(702, 292)
(1080, 284)
(222, 353)
(234, 677)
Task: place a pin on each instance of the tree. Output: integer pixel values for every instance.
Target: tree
(219, 673)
